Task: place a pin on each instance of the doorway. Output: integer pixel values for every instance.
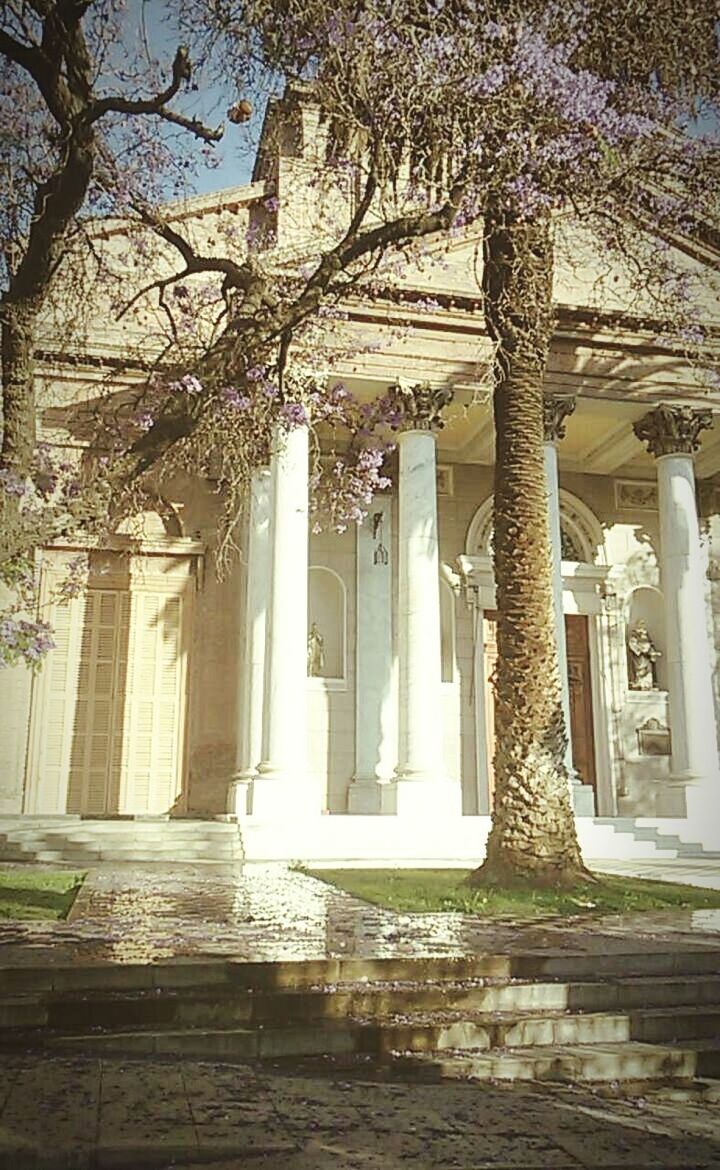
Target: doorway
(107, 726)
(577, 641)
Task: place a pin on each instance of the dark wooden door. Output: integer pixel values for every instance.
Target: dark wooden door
(580, 687)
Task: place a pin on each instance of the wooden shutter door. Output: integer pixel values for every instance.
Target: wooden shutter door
(153, 722)
(53, 712)
(98, 709)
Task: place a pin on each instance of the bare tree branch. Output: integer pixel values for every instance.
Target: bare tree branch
(157, 105)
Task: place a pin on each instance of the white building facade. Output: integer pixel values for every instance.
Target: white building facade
(334, 692)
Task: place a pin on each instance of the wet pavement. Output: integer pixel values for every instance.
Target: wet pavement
(135, 914)
(117, 1113)
(84, 1112)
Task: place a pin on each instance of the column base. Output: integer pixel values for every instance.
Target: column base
(277, 796)
(428, 799)
(238, 797)
(701, 798)
(583, 799)
(368, 797)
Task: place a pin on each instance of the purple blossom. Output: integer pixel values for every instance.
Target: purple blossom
(188, 384)
(272, 203)
(528, 196)
(293, 414)
(144, 420)
(692, 334)
(256, 373)
(489, 82)
(22, 639)
(12, 484)
(234, 398)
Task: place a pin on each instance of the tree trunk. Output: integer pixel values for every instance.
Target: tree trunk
(533, 837)
(18, 392)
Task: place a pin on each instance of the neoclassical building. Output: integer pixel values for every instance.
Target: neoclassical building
(334, 692)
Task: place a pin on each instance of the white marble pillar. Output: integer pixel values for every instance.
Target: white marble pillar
(252, 680)
(280, 786)
(372, 787)
(423, 789)
(556, 410)
(671, 434)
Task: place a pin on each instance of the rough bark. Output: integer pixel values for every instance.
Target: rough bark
(533, 837)
(61, 66)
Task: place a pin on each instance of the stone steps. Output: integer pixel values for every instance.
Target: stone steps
(626, 1061)
(474, 1017)
(417, 1031)
(85, 842)
(666, 971)
(129, 856)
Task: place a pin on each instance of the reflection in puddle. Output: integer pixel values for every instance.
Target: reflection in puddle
(705, 920)
(145, 915)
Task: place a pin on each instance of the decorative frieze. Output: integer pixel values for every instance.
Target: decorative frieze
(420, 406)
(556, 409)
(672, 430)
(636, 495)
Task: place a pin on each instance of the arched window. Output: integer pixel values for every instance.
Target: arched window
(580, 532)
(326, 624)
(570, 548)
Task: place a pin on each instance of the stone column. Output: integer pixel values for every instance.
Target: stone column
(252, 680)
(556, 409)
(278, 788)
(671, 434)
(371, 790)
(422, 788)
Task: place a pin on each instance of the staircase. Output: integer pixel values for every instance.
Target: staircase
(626, 1018)
(656, 836)
(314, 840)
(84, 842)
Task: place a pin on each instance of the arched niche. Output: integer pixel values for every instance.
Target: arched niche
(327, 621)
(645, 604)
(581, 532)
(447, 633)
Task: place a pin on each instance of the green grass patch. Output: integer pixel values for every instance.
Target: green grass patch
(432, 890)
(37, 893)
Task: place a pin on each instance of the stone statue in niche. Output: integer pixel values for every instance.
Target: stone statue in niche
(315, 652)
(642, 656)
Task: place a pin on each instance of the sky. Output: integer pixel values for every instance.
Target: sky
(235, 154)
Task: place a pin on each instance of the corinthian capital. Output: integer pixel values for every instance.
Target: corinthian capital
(419, 406)
(672, 430)
(556, 408)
